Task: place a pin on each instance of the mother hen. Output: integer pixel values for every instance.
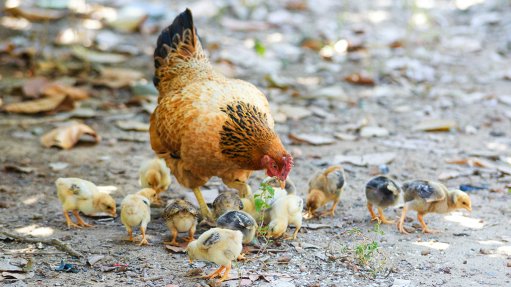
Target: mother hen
(206, 124)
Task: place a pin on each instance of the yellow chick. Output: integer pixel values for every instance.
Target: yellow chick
(249, 203)
(226, 201)
(325, 186)
(180, 216)
(219, 246)
(155, 174)
(431, 197)
(136, 211)
(77, 194)
(285, 211)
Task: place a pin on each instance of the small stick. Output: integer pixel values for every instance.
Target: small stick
(53, 241)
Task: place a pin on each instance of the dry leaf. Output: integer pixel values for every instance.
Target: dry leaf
(133, 126)
(66, 137)
(56, 89)
(116, 78)
(33, 88)
(359, 79)
(97, 57)
(35, 14)
(370, 131)
(473, 162)
(52, 104)
(175, 249)
(312, 139)
(435, 125)
(366, 159)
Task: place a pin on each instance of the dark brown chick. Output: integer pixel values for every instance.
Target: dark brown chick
(180, 216)
(226, 201)
(382, 192)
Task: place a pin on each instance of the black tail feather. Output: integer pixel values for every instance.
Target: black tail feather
(182, 22)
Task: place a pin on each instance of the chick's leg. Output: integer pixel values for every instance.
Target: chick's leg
(382, 217)
(425, 228)
(174, 237)
(144, 240)
(204, 210)
(215, 273)
(191, 234)
(401, 222)
(69, 222)
(80, 220)
(226, 273)
(370, 208)
(130, 234)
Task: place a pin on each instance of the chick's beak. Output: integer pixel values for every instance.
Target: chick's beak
(469, 208)
(114, 214)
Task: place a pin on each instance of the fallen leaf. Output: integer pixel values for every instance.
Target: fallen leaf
(133, 126)
(18, 169)
(17, 276)
(452, 174)
(369, 132)
(437, 125)
(359, 79)
(366, 159)
(473, 162)
(33, 88)
(295, 112)
(97, 57)
(312, 139)
(93, 259)
(194, 272)
(316, 226)
(283, 259)
(35, 14)
(129, 19)
(6, 266)
(56, 90)
(175, 249)
(51, 105)
(116, 78)
(67, 136)
(345, 136)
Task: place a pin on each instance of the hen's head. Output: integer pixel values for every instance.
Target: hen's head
(278, 166)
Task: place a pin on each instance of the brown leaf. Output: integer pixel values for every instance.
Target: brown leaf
(175, 249)
(34, 87)
(67, 136)
(56, 89)
(116, 78)
(18, 169)
(35, 14)
(435, 125)
(50, 105)
(473, 162)
(194, 272)
(359, 79)
(283, 259)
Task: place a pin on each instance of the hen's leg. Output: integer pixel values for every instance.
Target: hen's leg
(243, 188)
(382, 217)
(204, 210)
(80, 220)
(425, 228)
(370, 208)
(70, 223)
(401, 222)
(215, 274)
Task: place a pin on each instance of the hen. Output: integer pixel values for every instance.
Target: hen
(208, 125)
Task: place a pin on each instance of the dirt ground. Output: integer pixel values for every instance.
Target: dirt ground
(428, 62)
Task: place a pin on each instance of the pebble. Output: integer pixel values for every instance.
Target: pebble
(425, 252)
(509, 264)
(485, 251)
(402, 283)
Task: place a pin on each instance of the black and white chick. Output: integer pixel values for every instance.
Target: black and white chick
(381, 192)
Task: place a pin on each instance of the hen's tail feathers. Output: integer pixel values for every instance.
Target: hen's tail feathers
(177, 44)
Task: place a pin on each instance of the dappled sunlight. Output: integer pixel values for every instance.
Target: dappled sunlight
(465, 4)
(32, 199)
(465, 221)
(432, 245)
(35, 230)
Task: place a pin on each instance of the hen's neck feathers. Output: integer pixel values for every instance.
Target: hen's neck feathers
(246, 136)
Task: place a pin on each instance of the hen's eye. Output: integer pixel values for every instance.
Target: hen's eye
(275, 166)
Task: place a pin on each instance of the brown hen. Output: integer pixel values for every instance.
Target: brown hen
(206, 124)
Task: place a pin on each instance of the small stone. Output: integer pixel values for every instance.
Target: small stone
(485, 251)
(509, 264)
(402, 283)
(425, 252)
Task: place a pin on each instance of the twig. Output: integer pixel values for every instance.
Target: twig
(53, 241)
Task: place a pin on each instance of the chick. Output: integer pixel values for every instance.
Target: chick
(285, 211)
(430, 196)
(77, 194)
(180, 216)
(249, 202)
(226, 201)
(136, 211)
(382, 192)
(217, 245)
(239, 220)
(325, 186)
(155, 174)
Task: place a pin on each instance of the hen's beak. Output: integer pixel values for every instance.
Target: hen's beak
(282, 184)
(190, 259)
